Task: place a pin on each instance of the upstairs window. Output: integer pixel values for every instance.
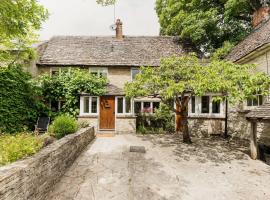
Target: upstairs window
(99, 71)
(134, 73)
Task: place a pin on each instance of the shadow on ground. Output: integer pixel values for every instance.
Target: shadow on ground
(215, 148)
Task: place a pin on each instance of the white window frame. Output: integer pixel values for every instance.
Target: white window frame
(59, 69)
(124, 106)
(247, 107)
(99, 70)
(198, 107)
(82, 113)
(151, 104)
(131, 78)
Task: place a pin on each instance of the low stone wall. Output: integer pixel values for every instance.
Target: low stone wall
(204, 127)
(33, 178)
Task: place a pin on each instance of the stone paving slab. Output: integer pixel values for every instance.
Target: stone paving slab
(169, 170)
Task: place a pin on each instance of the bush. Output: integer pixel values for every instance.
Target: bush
(15, 147)
(162, 121)
(63, 125)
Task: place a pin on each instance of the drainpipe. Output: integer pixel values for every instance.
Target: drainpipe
(226, 119)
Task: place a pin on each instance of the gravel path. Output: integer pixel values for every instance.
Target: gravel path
(207, 169)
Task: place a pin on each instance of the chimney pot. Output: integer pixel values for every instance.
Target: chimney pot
(119, 29)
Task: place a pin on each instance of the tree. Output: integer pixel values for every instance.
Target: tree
(67, 85)
(106, 2)
(206, 24)
(19, 19)
(179, 78)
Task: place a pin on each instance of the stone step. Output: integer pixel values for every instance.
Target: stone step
(105, 133)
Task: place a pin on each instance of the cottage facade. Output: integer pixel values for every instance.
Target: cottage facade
(117, 58)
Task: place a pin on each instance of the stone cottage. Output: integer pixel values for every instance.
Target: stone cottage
(254, 49)
(118, 58)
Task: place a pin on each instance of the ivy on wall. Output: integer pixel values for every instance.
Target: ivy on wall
(18, 105)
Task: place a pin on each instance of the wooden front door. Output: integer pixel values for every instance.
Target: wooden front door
(107, 112)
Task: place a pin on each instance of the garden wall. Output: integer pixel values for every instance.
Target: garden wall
(33, 178)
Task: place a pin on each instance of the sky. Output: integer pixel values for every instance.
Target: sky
(86, 17)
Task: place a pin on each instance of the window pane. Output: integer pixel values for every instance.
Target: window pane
(155, 106)
(134, 72)
(86, 105)
(54, 106)
(255, 101)
(193, 103)
(216, 107)
(249, 102)
(120, 105)
(260, 100)
(205, 104)
(128, 105)
(147, 107)
(94, 105)
(94, 73)
(137, 107)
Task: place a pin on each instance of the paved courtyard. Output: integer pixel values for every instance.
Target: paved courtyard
(208, 169)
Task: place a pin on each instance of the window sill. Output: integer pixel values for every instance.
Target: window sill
(88, 116)
(125, 116)
(202, 116)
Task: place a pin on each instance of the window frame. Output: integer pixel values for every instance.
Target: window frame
(82, 113)
(99, 71)
(258, 96)
(147, 101)
(198, 107)
(134, 68)
(124, 106)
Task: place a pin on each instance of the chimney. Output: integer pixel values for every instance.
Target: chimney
(261, 15)
(119, 29)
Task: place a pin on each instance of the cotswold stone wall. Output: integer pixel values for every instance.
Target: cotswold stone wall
(204, 127)
(125, 124)
(33, 178)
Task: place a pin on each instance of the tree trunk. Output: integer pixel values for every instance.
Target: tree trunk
(186, 136)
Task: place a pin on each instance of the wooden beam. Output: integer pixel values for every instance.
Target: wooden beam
(253, 140)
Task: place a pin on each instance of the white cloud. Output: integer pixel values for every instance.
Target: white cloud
(86, 17)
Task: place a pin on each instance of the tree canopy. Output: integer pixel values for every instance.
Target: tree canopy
(206, 24)
(179, 78)
(19, 19)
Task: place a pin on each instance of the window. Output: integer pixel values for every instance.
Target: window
(89, 105)
(193, 104)
(205, 104)
(123, 105)
(134, 72)
(146, 106)
(155, 106)
(255, 101)
(57, 105)
(216, 106)
(99, 71)
(57, 70)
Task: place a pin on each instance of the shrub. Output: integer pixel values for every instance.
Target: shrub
(63, 125)
(15, 147)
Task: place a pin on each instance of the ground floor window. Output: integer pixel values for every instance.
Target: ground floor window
(255, 101)
(123, 105)
(146, 106)
(57, 105)
(205, 105)
(89, 105)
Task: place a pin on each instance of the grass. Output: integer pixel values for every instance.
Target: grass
(19, 146)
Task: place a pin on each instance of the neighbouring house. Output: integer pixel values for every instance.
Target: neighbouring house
(254, 49)
(118, 58)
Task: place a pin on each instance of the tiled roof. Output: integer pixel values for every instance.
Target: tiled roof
(108, 51)
(262, 112)
(256, 39)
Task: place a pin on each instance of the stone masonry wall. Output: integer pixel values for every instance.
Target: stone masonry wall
(125, 125)
(33, 178)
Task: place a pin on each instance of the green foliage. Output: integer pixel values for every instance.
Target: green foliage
(223, 51)
(162, 121)
(18, 105)
(67, 86)
(106, 2)
(63, 125)
(19, 19)
(187, 75)
(15, 147)
(206, 24)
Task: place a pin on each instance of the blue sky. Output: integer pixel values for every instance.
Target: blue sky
(86, 17)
